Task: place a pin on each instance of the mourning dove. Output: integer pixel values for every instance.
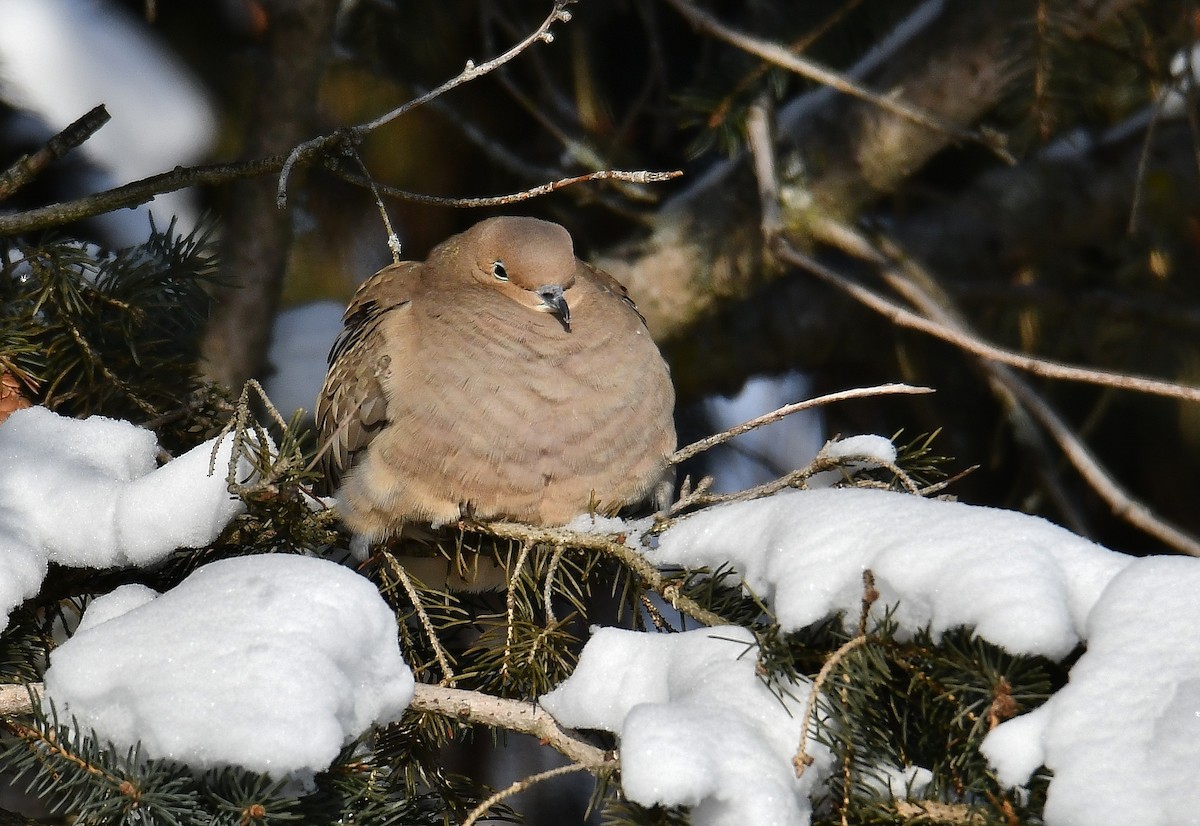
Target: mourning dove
(503, 378)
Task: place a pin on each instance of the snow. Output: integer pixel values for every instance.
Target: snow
(867, 449)
(299, 347)
(89, 494)
(909, 783)
(1020, 581)
(63, 57)
(1123, 736)
(276, 662)
(698, 727)
(630, 530)
(272, 662)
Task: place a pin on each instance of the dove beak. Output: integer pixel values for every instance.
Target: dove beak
(554, 302)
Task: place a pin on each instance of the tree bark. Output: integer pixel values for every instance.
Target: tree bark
(257, 233)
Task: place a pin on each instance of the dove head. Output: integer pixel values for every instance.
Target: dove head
(526, 260)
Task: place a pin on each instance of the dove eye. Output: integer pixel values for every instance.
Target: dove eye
(499, 271)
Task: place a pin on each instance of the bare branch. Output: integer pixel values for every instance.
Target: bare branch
(775, 415)
(944, 324)
(28, 167)
(511, 715)
(701, 498)
(803, 759)
(134, 194)
(972, 344)
(639, 177)
(305, 151)
(410, 590)
(760, 137)
(519, 786)
(15, 699)
(452, 703)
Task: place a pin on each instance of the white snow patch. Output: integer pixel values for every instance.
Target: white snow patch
(1020, 581)
(271, 662)
(631, 530)
(87, 493)
(908, 783)
(697, 726)
(867, 450)
(1123, 736)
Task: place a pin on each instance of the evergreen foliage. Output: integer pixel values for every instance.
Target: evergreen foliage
(115, 333)
(886, 703)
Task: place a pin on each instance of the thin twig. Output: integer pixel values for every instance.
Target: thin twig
(637, 177)
(520, 786)
(548, 590)
(793, 479)
(760, 138)
(708, 442)
(938, 487)
(28, 167)
(134, 194)
(803, 759)
(393, 240)
(511, 605)
(443, 659)
(355, 134)
(721, 111)
(144, 190)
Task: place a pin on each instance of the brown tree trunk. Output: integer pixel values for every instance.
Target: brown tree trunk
(257, 233)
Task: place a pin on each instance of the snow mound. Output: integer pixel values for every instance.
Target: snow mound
(697, 726)
(1020, 581)
(1123, 736)
(271, 662)
(88, 493)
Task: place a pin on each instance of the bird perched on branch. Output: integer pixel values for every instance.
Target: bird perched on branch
(501, 378)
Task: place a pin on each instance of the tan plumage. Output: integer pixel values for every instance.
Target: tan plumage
(500, 379)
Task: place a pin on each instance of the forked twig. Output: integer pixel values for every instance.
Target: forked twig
(944, 324)
(803, 759)
(636, 177)
(354, 134)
